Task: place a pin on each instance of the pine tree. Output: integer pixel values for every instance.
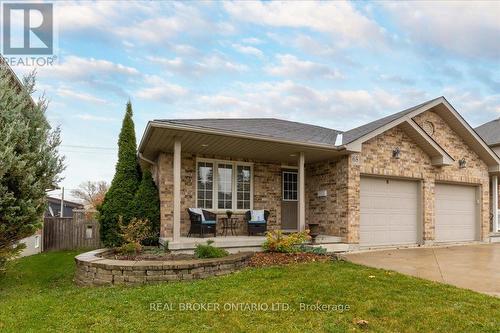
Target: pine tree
(120, 197)
(147, 205)
(29, 162)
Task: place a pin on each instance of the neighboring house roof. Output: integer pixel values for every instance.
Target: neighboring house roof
(490, 132)
(269, 127)
(54, 207)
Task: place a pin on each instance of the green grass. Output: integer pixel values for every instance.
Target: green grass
(38, 295)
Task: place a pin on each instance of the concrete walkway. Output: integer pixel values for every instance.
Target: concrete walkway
(475, 267)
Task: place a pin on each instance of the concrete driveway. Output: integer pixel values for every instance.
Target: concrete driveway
(475, 267)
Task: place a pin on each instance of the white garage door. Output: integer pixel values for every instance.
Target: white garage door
(456, 214)
(389, 212)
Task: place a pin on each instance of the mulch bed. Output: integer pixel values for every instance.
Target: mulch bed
(149, 255)
(263, 259)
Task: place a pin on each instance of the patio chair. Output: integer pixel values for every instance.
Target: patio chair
(202, 222)
(256, 226)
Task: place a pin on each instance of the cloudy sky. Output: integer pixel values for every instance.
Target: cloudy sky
(335, 64)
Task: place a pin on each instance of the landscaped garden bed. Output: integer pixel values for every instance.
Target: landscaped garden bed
(263, 259)
(93, 268)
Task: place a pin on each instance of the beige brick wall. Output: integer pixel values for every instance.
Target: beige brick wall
(267, 191)
(338, 213)
(376, 159)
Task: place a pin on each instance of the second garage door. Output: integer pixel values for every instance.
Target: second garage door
(456, 213)
(389, 212)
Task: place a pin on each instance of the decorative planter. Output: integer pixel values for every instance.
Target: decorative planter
(94, 270)
(313, 231)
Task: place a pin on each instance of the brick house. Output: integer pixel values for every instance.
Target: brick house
(420, 176)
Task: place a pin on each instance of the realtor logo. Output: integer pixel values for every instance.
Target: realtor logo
(27, 29)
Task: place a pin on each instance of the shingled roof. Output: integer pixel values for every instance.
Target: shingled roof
(268, 127)
(290, 130)
(490, 132)
(360, 131)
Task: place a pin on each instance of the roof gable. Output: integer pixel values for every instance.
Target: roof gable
(444, 109)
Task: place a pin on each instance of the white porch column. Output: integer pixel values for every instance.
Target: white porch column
(177, 191)
(302, 193)
(494, 204)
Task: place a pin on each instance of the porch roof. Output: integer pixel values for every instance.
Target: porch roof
(248, 141)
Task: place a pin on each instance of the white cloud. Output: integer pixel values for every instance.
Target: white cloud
(250, 50)
(90, 117)
(338, 18)
(78, 68)
(216, 63)
(252, 40)
(463, 27)
(65, 92)
(336, 108)
(291, 66)
(161, 90)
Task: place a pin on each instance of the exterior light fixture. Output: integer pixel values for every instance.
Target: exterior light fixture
(204, 145)
(293, 155)
(462, 164)
(396, 153)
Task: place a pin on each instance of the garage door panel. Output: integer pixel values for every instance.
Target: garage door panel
(389, 211)
(456, 217)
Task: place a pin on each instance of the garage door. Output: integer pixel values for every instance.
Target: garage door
(389, 212)
(456, 214)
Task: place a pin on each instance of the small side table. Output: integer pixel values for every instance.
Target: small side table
(229, 223)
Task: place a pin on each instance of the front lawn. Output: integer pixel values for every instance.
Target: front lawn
(37, 294)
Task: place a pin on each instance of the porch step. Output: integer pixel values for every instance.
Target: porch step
(495, 237)
(245, 243)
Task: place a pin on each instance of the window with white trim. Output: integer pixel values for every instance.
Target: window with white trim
(224, 185)
(205, 185)
(290, 186)
(243, 186)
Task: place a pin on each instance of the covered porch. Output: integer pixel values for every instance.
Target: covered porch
(222, 171)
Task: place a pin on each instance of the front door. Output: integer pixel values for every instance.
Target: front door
(289, 203)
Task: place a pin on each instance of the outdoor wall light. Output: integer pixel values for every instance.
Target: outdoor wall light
(204, 145)
(396, 153)
(462, 163)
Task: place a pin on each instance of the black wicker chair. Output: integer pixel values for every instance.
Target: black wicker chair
(256, 227)
(198, 226)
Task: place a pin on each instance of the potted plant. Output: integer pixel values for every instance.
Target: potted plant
(313, 231)
(229, 214)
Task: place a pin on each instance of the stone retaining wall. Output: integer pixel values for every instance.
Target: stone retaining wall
(94, 270)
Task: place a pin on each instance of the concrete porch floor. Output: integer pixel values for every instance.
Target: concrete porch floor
(247, 243)
(475, 267)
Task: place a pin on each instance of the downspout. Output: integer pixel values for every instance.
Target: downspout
(145, 159)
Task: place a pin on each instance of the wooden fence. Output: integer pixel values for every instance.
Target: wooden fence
(68, 233)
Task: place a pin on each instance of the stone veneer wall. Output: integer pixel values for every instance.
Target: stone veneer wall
(266, 190)
(93, 270)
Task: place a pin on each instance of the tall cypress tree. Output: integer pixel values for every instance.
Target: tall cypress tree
(120, 196)
(147, 205)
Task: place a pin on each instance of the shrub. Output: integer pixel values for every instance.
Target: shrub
(29, 162)
(119, 199)
(203, 251)
(147, 206)
(133, 234)
(276, 241)
(311, 249)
